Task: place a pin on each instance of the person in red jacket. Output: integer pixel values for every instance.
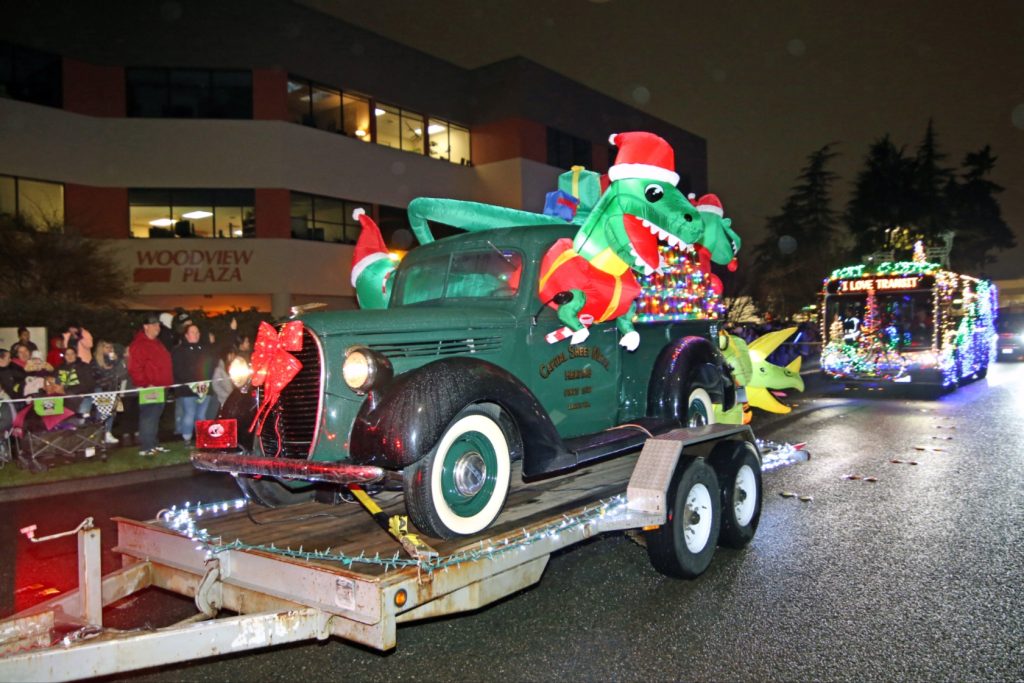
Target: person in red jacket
(149, 365)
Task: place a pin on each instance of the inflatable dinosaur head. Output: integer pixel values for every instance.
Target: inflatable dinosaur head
(640, 208)
(718, 237)
(767, 377)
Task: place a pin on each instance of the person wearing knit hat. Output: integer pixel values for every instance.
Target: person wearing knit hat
(372, 265)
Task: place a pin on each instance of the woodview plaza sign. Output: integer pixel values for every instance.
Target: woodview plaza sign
(191, 265)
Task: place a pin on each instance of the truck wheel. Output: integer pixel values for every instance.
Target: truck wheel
(683, 546)
(460, 486)
(271, 493)
(739, 478)
(699, 409)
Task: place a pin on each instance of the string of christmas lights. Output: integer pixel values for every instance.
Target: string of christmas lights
(680, 292)
(186, 520)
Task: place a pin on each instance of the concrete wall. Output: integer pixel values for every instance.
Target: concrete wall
(51, 144)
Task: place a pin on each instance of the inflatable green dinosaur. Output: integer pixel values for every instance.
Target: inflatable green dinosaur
(757, 376)
(596, 271)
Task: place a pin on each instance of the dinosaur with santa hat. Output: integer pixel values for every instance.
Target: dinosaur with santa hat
(641, 208)
(591, 278)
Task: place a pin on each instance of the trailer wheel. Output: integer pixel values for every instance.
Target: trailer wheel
(739, 478)
(460, 486)
(699, 409)
(683, 546)
(271, 493)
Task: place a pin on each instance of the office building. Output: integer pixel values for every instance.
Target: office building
(222, 146)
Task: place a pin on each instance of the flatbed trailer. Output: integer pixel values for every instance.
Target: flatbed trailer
(313, 570)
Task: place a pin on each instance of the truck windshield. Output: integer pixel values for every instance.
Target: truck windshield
(471, 275)
(903, 319)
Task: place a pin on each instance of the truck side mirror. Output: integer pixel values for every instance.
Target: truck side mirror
(562, 298)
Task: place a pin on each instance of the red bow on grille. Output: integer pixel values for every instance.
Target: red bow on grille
(273, 366)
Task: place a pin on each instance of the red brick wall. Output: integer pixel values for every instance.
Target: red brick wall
(100, 212)
(509, 139)
(273, 213)
(270, 94)
(93, 89)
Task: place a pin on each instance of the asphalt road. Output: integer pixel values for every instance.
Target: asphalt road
(915, 576)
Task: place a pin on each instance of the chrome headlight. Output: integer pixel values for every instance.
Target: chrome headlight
(364, 369)
(239, 371)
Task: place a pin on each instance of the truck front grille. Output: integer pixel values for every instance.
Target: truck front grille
(290, 430)
(439, 348)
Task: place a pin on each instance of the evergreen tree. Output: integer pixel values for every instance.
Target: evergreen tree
(879, 198)
(51, 278)
(802, 240)
(928, 202)
(976, 214)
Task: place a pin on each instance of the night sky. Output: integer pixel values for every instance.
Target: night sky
(764, 83)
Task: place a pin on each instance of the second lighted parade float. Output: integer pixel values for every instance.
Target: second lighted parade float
(907, 321)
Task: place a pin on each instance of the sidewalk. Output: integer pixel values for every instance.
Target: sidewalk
(122, 466)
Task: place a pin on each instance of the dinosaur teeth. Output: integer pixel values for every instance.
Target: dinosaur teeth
(647, 269)
(673, 240)
(640, 262)
(646, 223)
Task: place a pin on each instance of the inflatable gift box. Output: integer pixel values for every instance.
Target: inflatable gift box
(585, 186)
(561, 205)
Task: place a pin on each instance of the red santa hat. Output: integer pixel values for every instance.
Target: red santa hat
(370, 246)
(710, 203)
(643, 155)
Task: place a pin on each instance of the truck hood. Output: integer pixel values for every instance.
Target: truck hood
(369, 325)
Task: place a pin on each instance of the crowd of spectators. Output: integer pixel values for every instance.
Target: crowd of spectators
(124, 388)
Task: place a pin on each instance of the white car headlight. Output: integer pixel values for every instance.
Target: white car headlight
(239, 371)
(363, 369)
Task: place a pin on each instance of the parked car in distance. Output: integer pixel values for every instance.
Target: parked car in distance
(1010, 344)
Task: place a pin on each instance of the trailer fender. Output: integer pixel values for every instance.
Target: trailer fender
(406, 418)
(686, 364)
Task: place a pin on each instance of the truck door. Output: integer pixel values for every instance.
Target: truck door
(577, 384)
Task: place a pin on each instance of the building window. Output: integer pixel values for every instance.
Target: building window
(399, 128)
(30, 75)
(566, 151)
(189, 94)
(192, 213)
(448, 141)
(328, 109)
(355, 116)
(325, 219)
(37, 202)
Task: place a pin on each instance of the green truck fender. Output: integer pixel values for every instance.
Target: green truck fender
(686, 364)
(407, 417)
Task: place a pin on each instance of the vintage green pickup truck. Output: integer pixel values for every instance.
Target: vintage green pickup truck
(455, 380)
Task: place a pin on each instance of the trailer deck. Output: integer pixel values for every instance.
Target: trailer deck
(316, 570)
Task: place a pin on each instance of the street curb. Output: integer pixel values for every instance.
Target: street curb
(60, 488)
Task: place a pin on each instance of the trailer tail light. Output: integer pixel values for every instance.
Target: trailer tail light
(217, 434)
